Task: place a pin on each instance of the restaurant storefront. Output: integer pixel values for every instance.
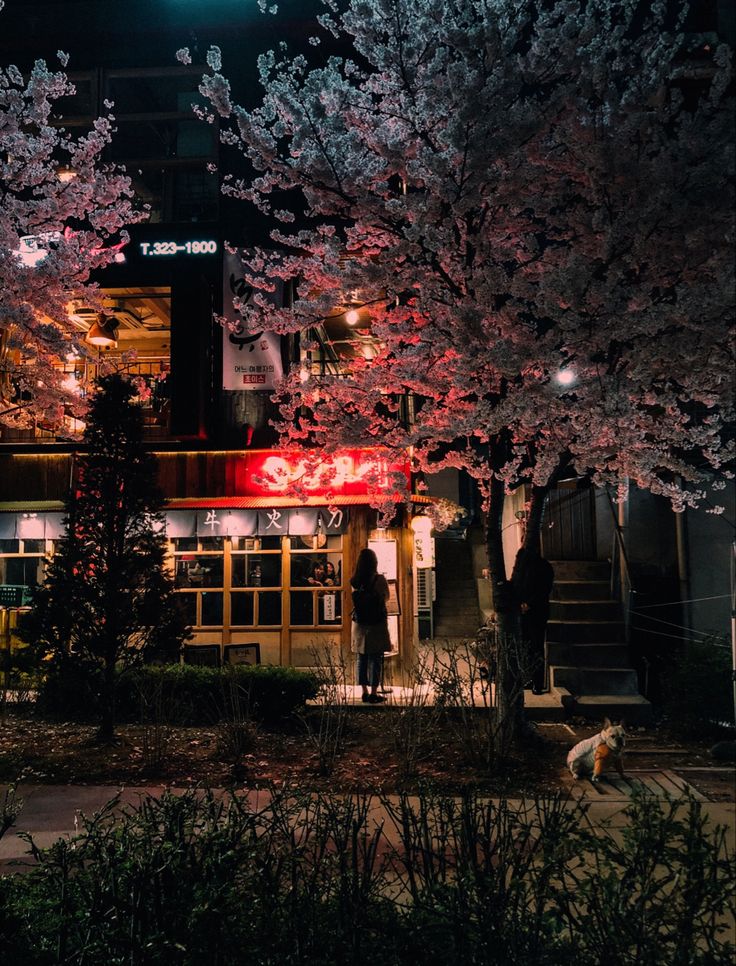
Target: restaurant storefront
(261, 546)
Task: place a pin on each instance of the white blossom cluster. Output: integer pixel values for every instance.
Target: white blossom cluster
(514, 190)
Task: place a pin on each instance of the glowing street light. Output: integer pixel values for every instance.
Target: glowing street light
(566, 377)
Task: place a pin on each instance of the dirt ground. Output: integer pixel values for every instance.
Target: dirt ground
(372, 756)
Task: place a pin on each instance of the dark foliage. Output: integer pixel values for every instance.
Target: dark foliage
(698, 693)
(297, 879)
(192, 695)
(107, 602)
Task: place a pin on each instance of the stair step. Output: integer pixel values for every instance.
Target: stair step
(452, 630)
(585, 631)
(595, 680)
(631, 708)
(582, 589)
(581, 569)
(577, 610)
(588, 655)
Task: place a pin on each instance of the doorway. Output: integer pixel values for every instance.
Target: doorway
(568, 525)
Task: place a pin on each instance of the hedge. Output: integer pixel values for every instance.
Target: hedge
(182, 694)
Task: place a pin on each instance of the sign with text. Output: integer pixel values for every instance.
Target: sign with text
(355, 472)
(248, 361)
(168, 248)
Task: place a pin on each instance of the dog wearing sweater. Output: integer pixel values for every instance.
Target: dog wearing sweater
(591, 756)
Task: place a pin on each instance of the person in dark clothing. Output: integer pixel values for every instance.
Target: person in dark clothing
(370, 637)
(532, 581)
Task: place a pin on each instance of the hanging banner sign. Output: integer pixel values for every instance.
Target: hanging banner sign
(248, 361)
(358, 472)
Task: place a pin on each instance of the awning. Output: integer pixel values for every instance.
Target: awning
(266, 502)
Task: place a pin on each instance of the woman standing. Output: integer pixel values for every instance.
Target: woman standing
(370, 636)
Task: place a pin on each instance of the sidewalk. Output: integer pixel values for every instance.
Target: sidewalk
(537, 707)
(51, 811)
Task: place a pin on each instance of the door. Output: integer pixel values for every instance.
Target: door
(568, 524)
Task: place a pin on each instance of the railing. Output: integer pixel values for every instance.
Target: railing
(622, 587)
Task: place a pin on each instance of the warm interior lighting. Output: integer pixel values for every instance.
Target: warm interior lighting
(352, 317)
(421, 524)
(65, 173)
(103, 332)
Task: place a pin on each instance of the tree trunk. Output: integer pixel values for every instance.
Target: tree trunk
(106, 734)
(509, 689)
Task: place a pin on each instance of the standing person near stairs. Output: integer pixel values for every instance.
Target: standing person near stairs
(369, 634)
(532, 580)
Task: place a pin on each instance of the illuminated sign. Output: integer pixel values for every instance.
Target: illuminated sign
(359, 472)
(158, 249)
(32, 249)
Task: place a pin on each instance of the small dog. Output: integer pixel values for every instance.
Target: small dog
(592, 756)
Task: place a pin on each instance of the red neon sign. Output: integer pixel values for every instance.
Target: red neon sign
(354, 472)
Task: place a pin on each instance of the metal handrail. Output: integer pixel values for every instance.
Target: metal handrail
(622, 586)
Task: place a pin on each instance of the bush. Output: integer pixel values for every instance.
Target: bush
(190, 694)
(197, 877)
(698, 692)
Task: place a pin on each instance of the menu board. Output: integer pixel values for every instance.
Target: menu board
(385, 550)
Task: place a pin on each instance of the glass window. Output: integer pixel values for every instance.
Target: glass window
(321, 542)
(256, 570)
(256, 543)
(211, 543)
(211, 609)
(242, 609)
(301, 610)
(316, 570)
(34, 546)
(9, 546)
(185, 543)
(269, 608)
(189, 606)
(199, 570)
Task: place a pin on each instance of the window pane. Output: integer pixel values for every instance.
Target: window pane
(211, 543)
(34, 546)
(199, 571)
(269, 608)
(333, 570)
(189, 607)
(322, 542)
(241, 609)
(256, 543)
(25, 571)
(211, 609)
(254, 570)
(301, 610)
(9, 546)
(185, 543)
(316, 570)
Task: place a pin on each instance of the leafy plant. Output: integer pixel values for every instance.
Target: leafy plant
(698, 694)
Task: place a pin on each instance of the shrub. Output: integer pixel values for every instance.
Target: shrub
(190, 694)
(296, 879)
(698, 691)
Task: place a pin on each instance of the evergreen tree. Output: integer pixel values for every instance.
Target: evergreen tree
(107, 603)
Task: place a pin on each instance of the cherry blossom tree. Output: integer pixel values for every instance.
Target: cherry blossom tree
(62, 210)
(533, 202)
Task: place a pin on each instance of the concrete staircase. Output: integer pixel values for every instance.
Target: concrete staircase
(588, 658)
(456, 610)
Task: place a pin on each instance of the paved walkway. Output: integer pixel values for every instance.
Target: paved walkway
(538, 707)
(51, 811)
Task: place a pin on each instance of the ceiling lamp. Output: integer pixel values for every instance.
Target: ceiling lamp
(352, 317)
(103, 332)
